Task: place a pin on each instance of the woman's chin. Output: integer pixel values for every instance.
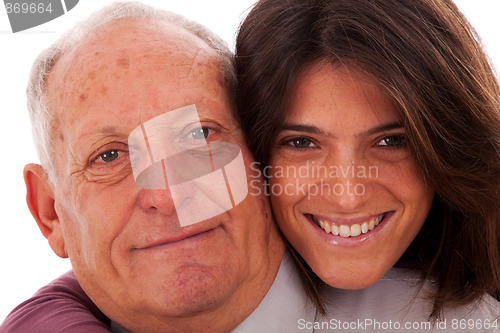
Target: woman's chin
(352, 281)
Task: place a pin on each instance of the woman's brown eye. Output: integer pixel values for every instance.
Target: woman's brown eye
(393, 141)
(301, 143)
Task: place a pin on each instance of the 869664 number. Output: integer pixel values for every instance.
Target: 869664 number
(473, 325)
(28, 7)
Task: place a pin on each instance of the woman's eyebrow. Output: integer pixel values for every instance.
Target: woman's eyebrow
(302, 128)
(381, 128)
(315, 130)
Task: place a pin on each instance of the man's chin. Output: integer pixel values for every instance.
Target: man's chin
(179, 292)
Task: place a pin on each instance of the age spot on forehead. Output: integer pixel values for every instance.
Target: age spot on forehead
(123, 62)
(104, 90)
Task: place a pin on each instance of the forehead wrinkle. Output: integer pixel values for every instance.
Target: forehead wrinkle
(103, 131)
(197, 60)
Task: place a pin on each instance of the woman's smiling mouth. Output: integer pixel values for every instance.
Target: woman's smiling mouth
(348, 230)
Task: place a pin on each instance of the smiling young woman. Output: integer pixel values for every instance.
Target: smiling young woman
(349, 237)
(400, 85)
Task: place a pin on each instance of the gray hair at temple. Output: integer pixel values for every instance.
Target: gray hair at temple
(43, 123)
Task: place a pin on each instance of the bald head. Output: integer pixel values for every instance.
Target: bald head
(121, 46)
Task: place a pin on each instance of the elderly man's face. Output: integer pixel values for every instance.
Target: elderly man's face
(125, 242)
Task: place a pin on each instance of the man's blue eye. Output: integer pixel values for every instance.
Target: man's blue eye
(199, 133)
(109, 156)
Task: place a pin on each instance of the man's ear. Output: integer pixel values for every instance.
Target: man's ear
(41, 203)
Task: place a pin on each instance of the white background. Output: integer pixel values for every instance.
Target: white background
(26, 260)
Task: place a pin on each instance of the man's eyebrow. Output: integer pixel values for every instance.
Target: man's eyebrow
(382, 128)
(105, 130)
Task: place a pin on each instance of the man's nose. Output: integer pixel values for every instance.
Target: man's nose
(165, 201)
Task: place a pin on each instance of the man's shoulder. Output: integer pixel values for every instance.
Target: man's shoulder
(60, 306)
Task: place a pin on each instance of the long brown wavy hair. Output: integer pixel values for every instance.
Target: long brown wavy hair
(426, 57)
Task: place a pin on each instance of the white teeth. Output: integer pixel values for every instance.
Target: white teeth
(364, 228)
(371, 224)
(346, 231)
(355, 230)
(335, 229)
